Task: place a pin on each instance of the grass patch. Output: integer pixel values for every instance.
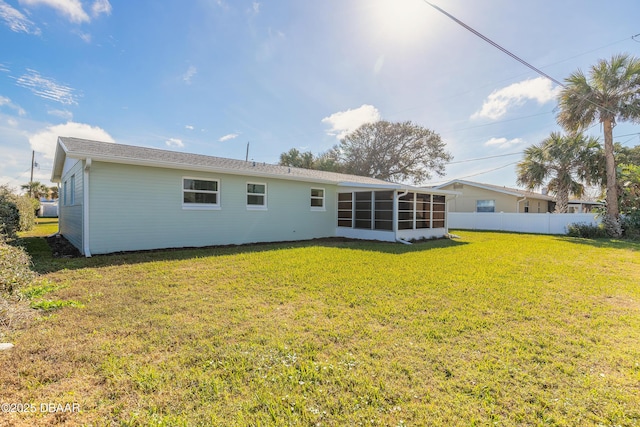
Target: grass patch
(49, 305)
(38, 290)
(491, 328)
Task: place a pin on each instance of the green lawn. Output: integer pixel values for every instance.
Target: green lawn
(488, 329)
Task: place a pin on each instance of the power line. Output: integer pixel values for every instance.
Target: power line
(475, 174)
(513, 55)
(485, 158)
(494, 44)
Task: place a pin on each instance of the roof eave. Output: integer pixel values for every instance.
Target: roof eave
(202, 168)
(58, 161)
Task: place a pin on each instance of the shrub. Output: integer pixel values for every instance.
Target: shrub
(17, 213)
(15, 269)
(9, 218)
(631, 225)
(586, 231)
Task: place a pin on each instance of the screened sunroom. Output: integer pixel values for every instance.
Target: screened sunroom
(391, 215)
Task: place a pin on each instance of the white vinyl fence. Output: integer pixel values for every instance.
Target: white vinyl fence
(542, 223)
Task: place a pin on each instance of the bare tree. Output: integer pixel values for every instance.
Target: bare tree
(393, 151)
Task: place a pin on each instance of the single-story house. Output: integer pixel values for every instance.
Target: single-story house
(117, 197)
(584, 206)
(478, 197)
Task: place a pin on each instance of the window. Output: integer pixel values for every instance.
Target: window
(383, 210)
(200, 193)
(256, 195)
(423, 211)
(526, 206)
(485, 206)
(345, 210)
(439, 209)
(363, 209)
(317, 199)
(65, 194)
(406, 206)
(72, 189)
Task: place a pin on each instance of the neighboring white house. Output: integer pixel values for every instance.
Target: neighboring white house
(118, 197)
(48, 208)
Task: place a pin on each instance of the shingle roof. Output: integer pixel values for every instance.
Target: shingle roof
(501, 189)
(120, 153)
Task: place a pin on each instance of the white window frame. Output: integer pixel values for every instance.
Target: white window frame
(486, 200)
(262, 207)
(65, 195)
(200, 206)
(322, 208)
(72, 188)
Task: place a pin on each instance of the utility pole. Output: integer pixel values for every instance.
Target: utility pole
(246, 158)
(33, 158)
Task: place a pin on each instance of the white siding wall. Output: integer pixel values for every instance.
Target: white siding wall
(137, 208)
(70, 215)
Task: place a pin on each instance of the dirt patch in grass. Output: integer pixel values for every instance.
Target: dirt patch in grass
(61, 247)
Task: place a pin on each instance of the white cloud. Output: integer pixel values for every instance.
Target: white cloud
(189, 127)
(345, 122)
(16, 21)
(496, 105)
(229, 137)
(503, 142)
(86, 37)
(63, 114)
(47, 88)
(45, 140)
(7, 102)
(72, 9)
(100, 7)
(254, 9)
(188, 75)
(174, 143)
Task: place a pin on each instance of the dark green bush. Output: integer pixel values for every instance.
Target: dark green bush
(17, 213)
(586, 231)
(9, 218)
(631, 225)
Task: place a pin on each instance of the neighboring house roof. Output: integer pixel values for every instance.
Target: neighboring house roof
(585, 202)
(76, 148)
(505, 190)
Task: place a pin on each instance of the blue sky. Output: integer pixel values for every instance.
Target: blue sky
(208, 76)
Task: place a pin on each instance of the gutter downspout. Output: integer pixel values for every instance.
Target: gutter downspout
(395, 209)
(518, 204)
(446, 205)
(85, 209)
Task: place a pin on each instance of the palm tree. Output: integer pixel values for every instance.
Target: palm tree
(36, 189)
(610, 93)
(53, 192)
(564, 164)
